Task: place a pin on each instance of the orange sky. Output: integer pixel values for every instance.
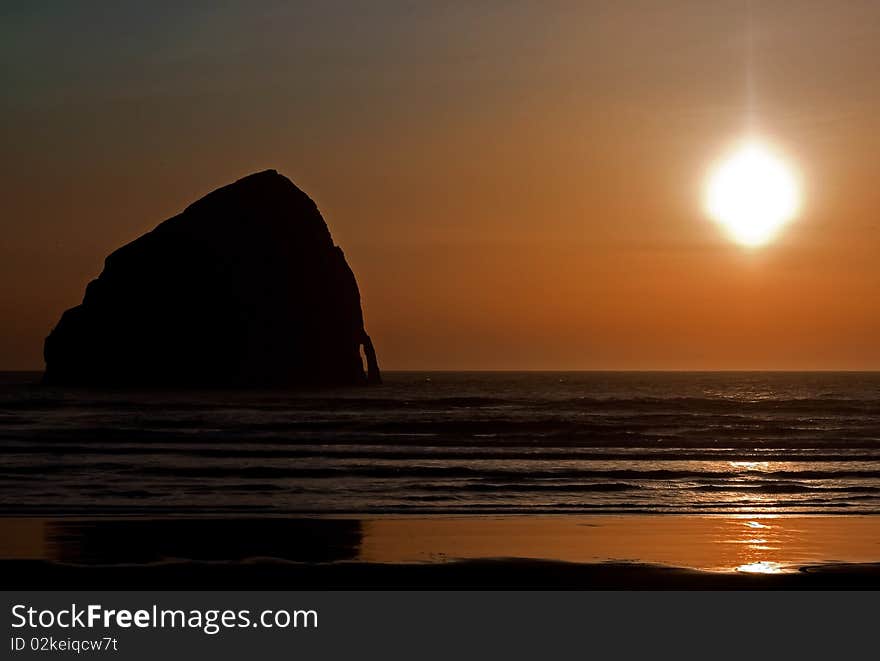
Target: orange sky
(516, 185)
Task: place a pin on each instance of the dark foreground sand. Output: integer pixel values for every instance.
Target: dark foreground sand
(629, 552)
(468, 574)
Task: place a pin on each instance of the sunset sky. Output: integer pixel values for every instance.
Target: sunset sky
(517, 185)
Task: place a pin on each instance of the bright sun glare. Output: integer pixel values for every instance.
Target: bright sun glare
(752, 193)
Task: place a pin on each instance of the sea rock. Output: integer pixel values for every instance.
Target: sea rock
(244, 288)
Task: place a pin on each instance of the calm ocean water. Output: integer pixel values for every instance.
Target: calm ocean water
(428, 443)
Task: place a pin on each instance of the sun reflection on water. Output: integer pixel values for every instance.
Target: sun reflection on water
(750, 465)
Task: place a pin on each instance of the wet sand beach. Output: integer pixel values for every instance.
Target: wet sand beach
(455, 551)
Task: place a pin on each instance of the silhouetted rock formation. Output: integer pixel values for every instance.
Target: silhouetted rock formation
(244, 288)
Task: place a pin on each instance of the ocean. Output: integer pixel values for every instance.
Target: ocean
(450, 443)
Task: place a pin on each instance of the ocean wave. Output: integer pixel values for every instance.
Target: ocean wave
(469, 443)
(423, 471)
(421, 453)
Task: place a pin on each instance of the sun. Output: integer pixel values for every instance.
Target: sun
(753, 193)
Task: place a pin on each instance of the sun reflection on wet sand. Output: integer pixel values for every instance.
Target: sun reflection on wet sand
(757, 547)
(762, 567)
